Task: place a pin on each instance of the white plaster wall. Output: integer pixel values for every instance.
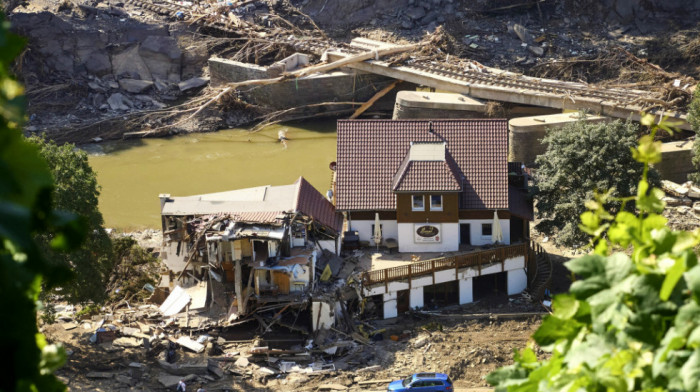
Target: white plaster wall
(416, 297)
(329, 245)
(475, 228)
(517, 281)
(325, 319)
(466, 291)
(450, 239)
(364, 228)
(376, 290)
(515, 263)
(174, 262)
(445, 276)
(468, 273)
(390, 309)
(396, 286)
(493, 269)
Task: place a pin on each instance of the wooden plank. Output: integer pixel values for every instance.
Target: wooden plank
(374, 99)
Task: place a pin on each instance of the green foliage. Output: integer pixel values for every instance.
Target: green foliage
(133, 268)
(581, 158)
(25, 211)
(88, 310)
(48, 316)
(76, 191)
(631, 322)
(694, 120)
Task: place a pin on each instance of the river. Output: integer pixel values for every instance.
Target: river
(133, 173)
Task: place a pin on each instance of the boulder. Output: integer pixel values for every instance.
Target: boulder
(421, 341)
(193, 60)
(129, 64)
(135, 86)
(117, 101)
(128, 342)
(430, 17)
(241, 362)
(536, 50)
(162, 56)
(192, 83)
(96, 62)
(415, 13)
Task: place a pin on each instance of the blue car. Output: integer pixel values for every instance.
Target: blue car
(422, 382)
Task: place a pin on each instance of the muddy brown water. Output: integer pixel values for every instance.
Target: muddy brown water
(133, 173)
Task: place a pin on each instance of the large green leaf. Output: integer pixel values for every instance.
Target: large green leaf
(690, 372)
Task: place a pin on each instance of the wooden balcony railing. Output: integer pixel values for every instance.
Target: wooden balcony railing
(429, 267)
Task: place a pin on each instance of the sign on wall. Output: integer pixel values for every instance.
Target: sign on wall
(427, 233)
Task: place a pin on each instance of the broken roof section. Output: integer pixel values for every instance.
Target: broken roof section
(264, 204)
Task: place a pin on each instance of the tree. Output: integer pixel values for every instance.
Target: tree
(631, 322)
(25, 211)
(581, 158)
(76, 191)
(694, 120)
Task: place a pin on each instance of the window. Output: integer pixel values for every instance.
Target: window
(485, 229)
(436, 202)
(418, 203)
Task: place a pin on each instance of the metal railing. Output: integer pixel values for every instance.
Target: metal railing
(429, 267)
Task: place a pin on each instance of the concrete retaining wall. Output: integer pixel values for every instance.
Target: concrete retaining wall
(525, 134)
(420, 104)
(676, 161)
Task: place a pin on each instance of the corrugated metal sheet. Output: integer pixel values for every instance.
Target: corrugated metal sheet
(176, 301)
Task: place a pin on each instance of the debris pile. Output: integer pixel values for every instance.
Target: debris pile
(142, 348)
(682, 205)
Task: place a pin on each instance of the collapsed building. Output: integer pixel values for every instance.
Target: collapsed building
(235, 253)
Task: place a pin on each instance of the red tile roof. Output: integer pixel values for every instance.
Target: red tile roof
(371, 151)
(310, 202)
(427, 176)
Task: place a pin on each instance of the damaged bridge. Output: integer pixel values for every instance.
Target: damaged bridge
(478, 81)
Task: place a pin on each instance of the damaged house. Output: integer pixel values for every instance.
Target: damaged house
(232, 252)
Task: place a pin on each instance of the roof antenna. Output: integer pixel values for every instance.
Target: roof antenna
(430, 127)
